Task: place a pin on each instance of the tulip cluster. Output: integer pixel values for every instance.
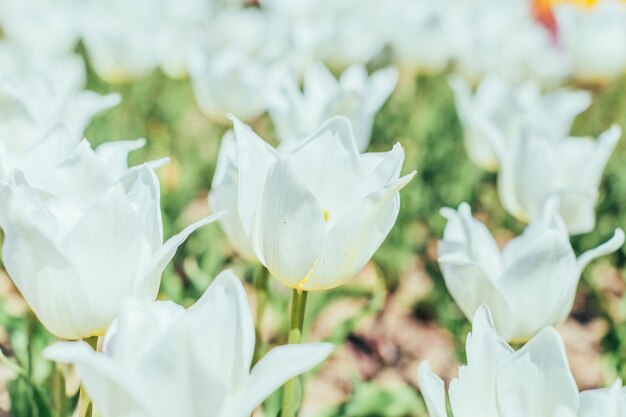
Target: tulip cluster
(83, 233)
(546, 40)
(524, 135)
(83, 238)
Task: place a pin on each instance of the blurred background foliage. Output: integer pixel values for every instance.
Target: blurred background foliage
(397, 311)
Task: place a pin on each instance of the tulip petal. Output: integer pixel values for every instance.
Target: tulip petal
(84, 106)
(578, 208)
(255, 160)
(537, 380)
(277, 367)
(527, 176)
(55, 290)
(224, 196)
(142, 189)
(47, 154)
(146, 286)
(110, 387)
(567, 105)
(596, 160)
(383, 82)
(540, 285)
(225, 310)
(353, 239)
(464, 234)
(115, 154)
(329, 164)
(291, 232)
(433, 391)
(471, 287)
(383, 168)
(605, 402)
(318, 82)
(473, 392)
(190, 362)
(608, 247)
(107, 268)
(551, 220)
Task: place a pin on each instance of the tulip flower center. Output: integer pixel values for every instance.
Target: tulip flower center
(326, 214)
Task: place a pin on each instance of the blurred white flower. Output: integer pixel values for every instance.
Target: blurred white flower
(358, 96)
(301, 29)
(229, 81)
(356, 35)
(497, 111)
(38, 97)
(179, 32)
(418, 32)
(161, 360)
(500, 382)
(535, 169)
(530, 285)
(41, 27)
(594, 38)
(128, 40)
(83, 236)
(238, 65)
(316, 215)
(120, 38)
(503, 38)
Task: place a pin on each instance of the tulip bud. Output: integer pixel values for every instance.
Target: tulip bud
(313, 216)
(528, 285)
(83, 238)
(536, 169)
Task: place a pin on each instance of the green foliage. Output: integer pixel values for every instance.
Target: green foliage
(372, 400)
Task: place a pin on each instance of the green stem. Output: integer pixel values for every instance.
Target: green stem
(260, 284)
(85, 407)
(58, 390)
(31, 323)
(291, 391)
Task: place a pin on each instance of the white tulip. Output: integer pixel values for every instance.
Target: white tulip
(38, 97)
(531, 284)
(358, 96)
(162, 360)
(536, 169)
(594, 38)
(120, 38)
(238, 66)
(497, 110)
(83, 236)
(535, 381)
(230, 81)
(316, 215)
(41, 27)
